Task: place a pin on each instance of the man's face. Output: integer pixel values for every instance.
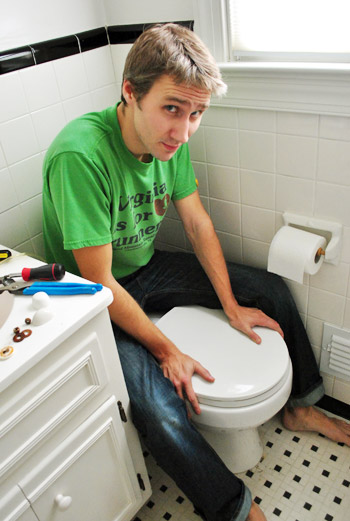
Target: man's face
(166, 117)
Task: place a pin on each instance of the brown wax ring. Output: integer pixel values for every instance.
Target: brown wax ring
(22, 335)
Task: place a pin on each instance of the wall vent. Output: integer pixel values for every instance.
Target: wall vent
(335, 354)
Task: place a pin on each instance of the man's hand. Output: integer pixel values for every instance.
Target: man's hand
(180, 368)
(244, 319)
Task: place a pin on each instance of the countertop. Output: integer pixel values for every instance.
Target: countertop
(70, 312)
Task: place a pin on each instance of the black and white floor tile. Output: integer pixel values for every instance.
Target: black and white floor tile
(303, 477)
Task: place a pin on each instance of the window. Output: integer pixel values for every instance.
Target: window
(265, 70)
(289, 30)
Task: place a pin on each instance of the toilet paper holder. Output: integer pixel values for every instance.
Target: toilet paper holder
(332, 232)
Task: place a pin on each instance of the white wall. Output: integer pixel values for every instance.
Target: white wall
(251, 164)
(23, 22)
(140, 11)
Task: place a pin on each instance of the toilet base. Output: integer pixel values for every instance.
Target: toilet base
(239, 449)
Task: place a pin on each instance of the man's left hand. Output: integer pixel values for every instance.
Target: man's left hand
(244, 319)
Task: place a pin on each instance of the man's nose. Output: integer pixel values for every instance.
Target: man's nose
(181, 131)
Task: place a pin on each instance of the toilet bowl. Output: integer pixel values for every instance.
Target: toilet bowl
(252, 381)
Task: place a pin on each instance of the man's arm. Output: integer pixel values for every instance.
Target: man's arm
(95, 264)
(200, 231)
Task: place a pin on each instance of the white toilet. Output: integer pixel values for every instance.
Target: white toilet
(252, 382)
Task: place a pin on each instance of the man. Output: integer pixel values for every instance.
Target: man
(108, 179)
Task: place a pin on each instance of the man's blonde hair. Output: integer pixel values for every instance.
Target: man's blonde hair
(173, 50)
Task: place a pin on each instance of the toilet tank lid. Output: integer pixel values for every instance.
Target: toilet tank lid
(241, 368)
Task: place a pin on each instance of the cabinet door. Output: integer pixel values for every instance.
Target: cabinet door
(28, 515)
(89, 477)
(58, 387)
(14, 506)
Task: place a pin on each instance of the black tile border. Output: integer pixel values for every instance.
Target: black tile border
(93, 39)
(334, 406)
(129, 33)
(55, 49)
(124, 33)
(15, 59)
(41, 52)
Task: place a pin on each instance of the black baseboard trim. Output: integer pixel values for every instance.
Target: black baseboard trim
(335, 407)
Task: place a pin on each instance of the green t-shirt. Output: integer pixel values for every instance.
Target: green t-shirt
(96, 192)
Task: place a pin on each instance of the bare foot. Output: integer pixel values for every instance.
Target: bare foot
(255, 514)
(311, 419)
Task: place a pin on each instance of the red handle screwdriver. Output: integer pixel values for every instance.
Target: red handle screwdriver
(46, 272)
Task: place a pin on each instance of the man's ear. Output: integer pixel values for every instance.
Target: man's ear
(128, 91)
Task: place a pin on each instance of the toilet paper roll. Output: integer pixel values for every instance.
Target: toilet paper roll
(293, 252)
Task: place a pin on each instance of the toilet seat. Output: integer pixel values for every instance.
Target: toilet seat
(245, 373)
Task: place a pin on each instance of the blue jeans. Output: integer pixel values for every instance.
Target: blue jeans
(176, 279)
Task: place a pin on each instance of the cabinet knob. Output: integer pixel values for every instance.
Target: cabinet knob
(63, 502)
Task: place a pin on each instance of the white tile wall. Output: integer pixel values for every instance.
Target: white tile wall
(105, 96)
(221, 146)
(334, 161)
(252, 165)
(254, 253)
(258, 189)
(35, 104)
(225, 216)
(2, 158)
(18, 139)
(13, 103)
(258, 223)
(224, 183)
(297, 124)
(99, 67)
(40, 86)
(332, 202)
(294, 195)
(10, 199)
(47, 124)
(296, 156)
(257, 151)
(26, 176)
(257, 120)
(202, 177)
(71, 76)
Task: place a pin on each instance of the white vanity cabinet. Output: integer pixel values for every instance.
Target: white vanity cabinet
(68, 448)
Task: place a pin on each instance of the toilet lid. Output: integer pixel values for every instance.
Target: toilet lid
(244, 372)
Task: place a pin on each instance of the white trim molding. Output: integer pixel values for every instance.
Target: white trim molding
(210, 23)
(298, 87)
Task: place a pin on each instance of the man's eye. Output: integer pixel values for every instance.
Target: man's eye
(196, 114)
(171, 108)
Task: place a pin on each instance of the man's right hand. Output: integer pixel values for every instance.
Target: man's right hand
(180, 368)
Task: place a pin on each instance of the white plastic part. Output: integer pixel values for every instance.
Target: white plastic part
(313, 225)
(63, 502)
(42, 316)
(40, 300)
